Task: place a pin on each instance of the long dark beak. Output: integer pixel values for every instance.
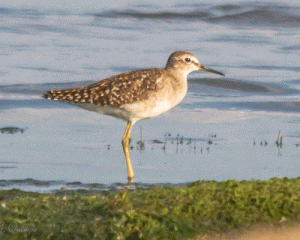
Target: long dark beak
(210, 70)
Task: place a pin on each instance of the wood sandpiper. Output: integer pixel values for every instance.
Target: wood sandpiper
(136, 95)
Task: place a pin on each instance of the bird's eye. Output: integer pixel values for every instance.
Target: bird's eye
(187, 59)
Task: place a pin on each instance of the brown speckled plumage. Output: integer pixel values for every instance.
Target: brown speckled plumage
(115, 91)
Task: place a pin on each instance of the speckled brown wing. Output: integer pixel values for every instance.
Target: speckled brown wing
(114, 91)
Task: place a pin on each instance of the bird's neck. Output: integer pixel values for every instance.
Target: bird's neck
(180, 75)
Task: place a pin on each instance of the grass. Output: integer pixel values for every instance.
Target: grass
(162, 212)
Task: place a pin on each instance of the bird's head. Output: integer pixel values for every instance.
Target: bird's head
(186, 62)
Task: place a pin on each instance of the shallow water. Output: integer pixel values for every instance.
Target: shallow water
(44, 47)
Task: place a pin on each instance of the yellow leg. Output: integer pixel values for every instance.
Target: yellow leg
(125, 143)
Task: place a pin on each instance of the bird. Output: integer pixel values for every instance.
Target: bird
(135, 95)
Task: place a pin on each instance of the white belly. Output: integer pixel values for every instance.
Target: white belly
(142, 110)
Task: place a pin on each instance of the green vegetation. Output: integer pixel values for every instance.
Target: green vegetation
(12, 130)
(161, 212)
